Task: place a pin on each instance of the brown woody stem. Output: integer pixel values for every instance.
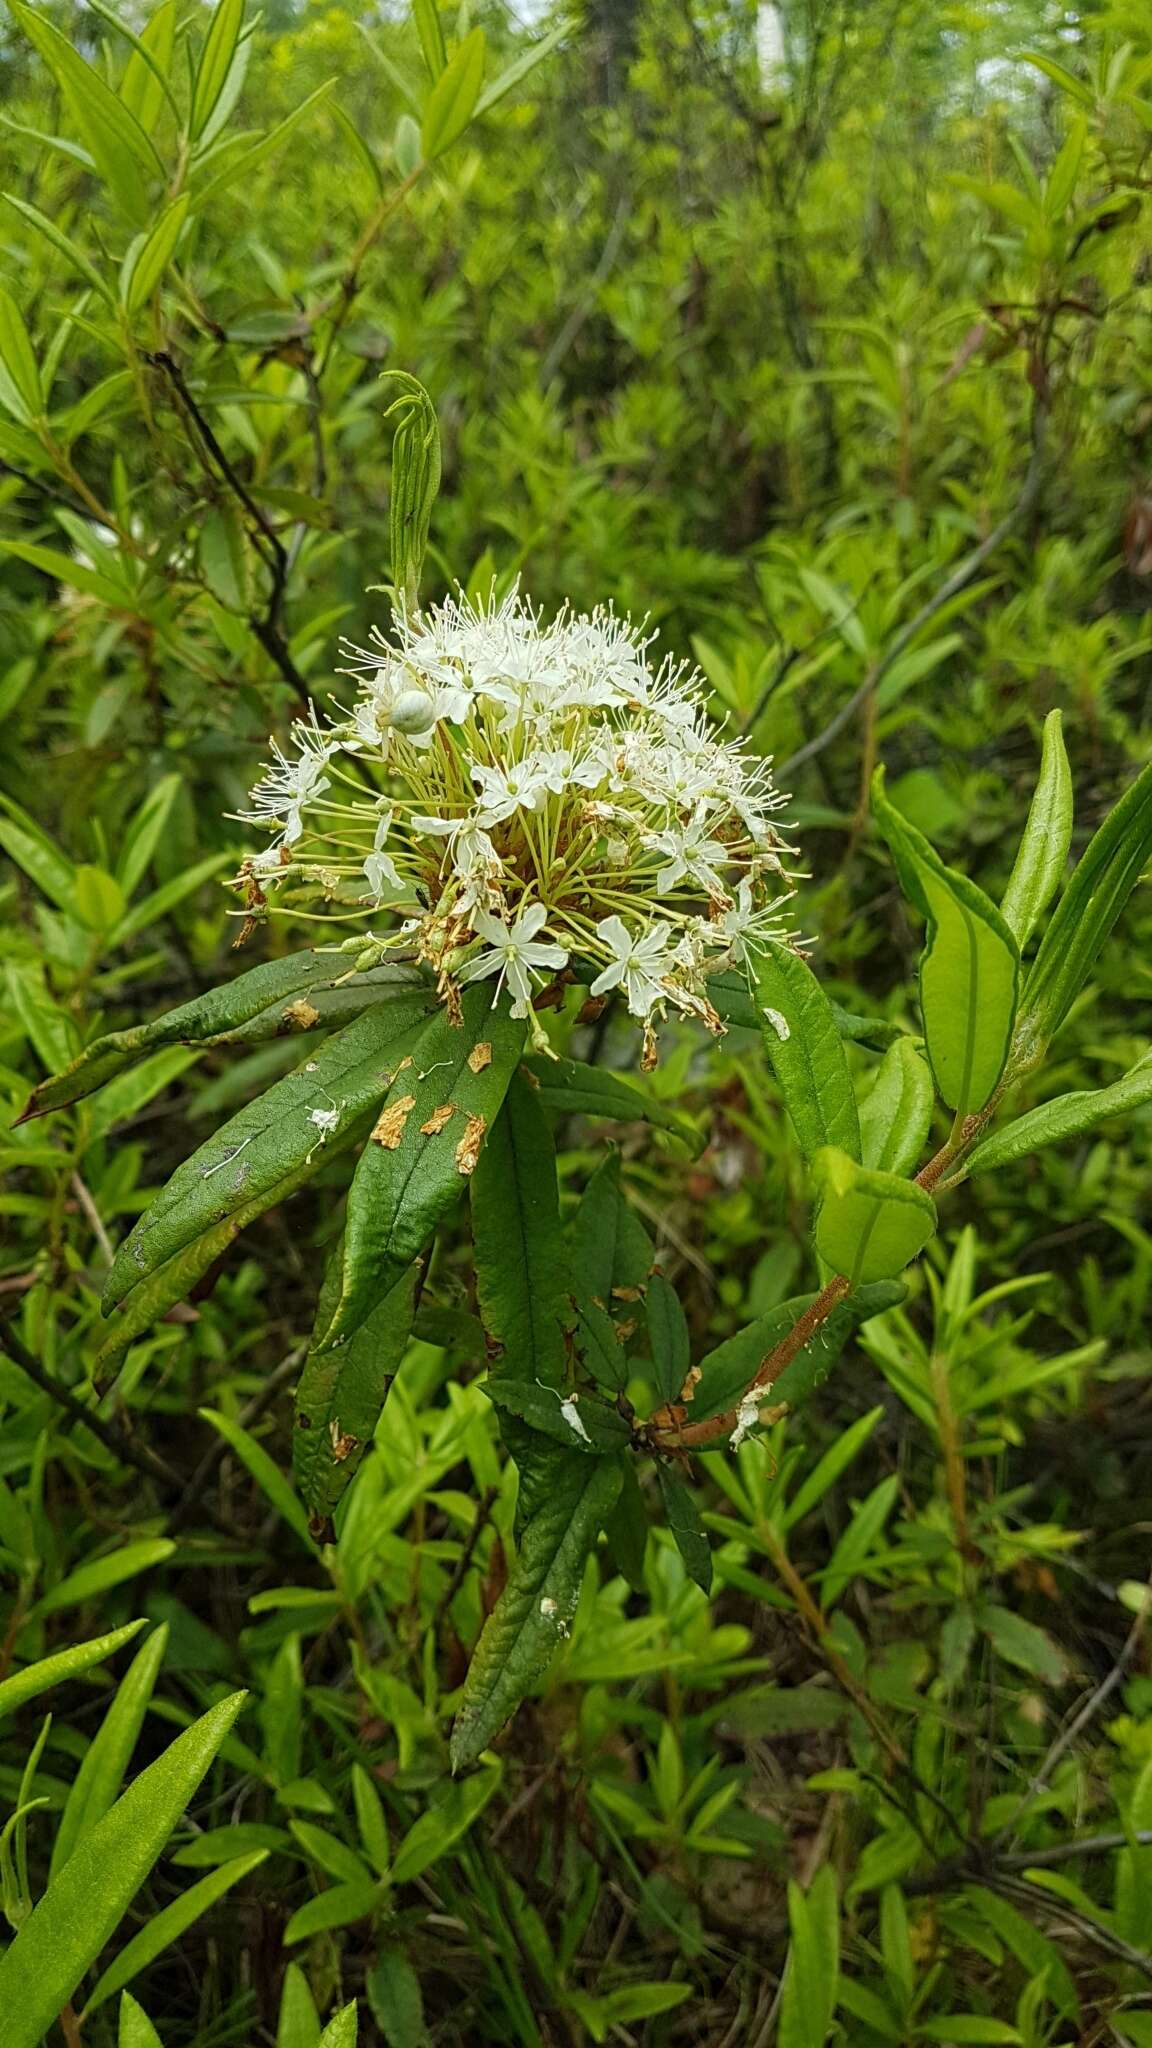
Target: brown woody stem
(673, 1435)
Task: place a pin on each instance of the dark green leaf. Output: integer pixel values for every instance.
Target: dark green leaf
(342, 1391)
(626, 1529)
(610, 1247)
(732, 1366)
(668, 1337)
(424, 1148)
(686, 1526)
(803, 1044)
(536, 1607)
(570, 1088)
(579, 1422)
(521, 1278)
(1064, 1117)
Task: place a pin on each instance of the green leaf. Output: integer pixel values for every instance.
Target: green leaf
(21, 392)
(452, 101)
(732, 1366)
(1064, 1117)
(39, 856)
(342, 1391)
(49, 1671)
(244, 161)
(81, 1908)
(264, 1471)
(298, 2025)
(64, 569)
(960, 2028)
(215, 62)
(626, 1529)
(1101, 884)
(167, 1927)
(444, 1824)
(144, 86)
(688, 1532)
(274, 1000)
(580, 1424)
(89, 1580)
(101, 1772)
(342, 2028)
(268, 1140)
(74, 255)
(610, 1246)
(1022, 1643)
(897, 1115)
(146, 831)
(149, 256)
(828, 1469)
(395, 2000)
(969, 971)
(122, 152)
(520, 69)
(1047, 836)
(668, 1337)
(869, 1225)
(417, 1163)
(569, 1088)
(136, 2029)
(153, 907)
(342, 1905)
(811, 1978)
(536, 1607)
(804, 1047)
(426, 16)
(521, 1278)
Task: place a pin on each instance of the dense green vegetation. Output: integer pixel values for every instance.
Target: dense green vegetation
(819, 337)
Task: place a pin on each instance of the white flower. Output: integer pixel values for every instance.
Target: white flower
(691, 856)
(519, 787)
(283, 791)
(747, 929)
(379, 868)
(511, 952)
(639, 964)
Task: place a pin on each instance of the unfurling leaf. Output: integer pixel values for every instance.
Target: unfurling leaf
(869, 1225)
(897, 1114)
(1046, 838)
(452, 101)
(969, 971)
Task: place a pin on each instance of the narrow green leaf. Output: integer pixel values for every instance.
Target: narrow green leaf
(869, 1225)
(1022, 1643)
(101, 1773)
(149, 257)
(39, 856)
(828, 1469)
(1064, 1117)
(897, 1115)
(264, 1471)
(167, 1927)
(426, 16)
(49, 1671)
(452, 101)
(1047, 836)
(570, 1088)
(157, 904)
(521, 1277)
(145, 85)
(811, 1979)
(969, 971)
(342, 2028)
(64, 569)
(732, 1366)
(520, 68)
(136, 2029)
(122, 152)
(423, 1149)
(1100, 886)
(299, 2024)
(60, 241)
(102, 1573)
(343, 1390)
(342, 1905)
(536, 1607)
(688, 1531)
(444, 1824)
(215, 62)
(245, 161)
(268, 1140)
(81, 1908)
(21, 392)
(804, 1047)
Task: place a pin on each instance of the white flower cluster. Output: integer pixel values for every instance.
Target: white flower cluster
(530, 799)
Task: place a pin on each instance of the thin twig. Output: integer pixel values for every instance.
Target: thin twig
(114, 1439)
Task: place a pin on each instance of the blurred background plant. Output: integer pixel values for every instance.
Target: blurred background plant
(819, 333)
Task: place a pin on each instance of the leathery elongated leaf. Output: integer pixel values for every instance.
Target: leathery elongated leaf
(1064, 1117)
(452, 101)
(343, 1390)
(731, 996)
(804, 1047)
(1046, 838)
(732, 1366)
(298, 993)
(1100, 885)
(536, 1607)
(81, 1907)
(897, 1114)
(521, 1276)
(571, 1088)
(969, 970)
(869, 1225)
(329, 1098)
(423, 1149)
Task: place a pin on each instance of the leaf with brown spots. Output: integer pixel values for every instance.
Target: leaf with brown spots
(388, 1130)
(439, 1117)
(468, 1150)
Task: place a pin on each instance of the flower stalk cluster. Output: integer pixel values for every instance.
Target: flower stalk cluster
(525, 801)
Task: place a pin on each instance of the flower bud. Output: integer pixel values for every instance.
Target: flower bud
(413, 712)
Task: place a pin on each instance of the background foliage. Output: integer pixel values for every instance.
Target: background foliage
(821, 336)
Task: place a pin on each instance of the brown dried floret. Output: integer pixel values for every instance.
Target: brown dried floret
(438, 1119)
(300, 1015)
(389, 1127)
(480, 1056)
(468, 1150)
